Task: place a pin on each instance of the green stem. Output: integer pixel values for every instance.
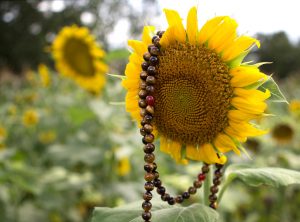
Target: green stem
(207, 185)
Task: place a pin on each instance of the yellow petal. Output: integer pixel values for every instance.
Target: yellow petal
(168, 37)
(210, 154)
(192, 25)
(176, 151)
(165, 145)
(249, 106)
(224, 35)
(209, 28)
(132, 70)
(235, 134)
(244, 76)
(138, 46)
(238, 116)
(147, 34)
(224, 144)
(252, 94)
(246, 129)
(240, 45)
(174, 20)
(136, 59)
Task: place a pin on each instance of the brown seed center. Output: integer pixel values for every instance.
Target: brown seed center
(192, 93)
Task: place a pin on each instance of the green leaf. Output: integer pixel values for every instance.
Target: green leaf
(160, 212)
(271, 176)
(276, 94)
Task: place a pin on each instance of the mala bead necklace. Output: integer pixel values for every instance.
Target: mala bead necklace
(147, 104)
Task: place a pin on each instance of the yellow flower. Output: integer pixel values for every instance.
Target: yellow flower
(123, 166)
(78, 56)
(30, 118)
(47, 137)
(12, 110)
(295, 106)
(3, 134)
(44, 75)
(204, 97)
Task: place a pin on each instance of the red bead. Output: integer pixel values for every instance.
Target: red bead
(150, 100)
(201, 177)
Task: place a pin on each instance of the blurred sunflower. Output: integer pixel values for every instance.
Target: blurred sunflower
(47, 137)
(123, 166)
(3, 134)
(282, 133)
(294, 106)
(44, 75)
(78, 56)
(30, 118)
(204, 96)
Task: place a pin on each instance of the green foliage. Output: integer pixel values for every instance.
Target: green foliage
(276, 94)
(160, 212)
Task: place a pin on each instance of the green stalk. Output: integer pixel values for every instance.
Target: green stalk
(207, 185)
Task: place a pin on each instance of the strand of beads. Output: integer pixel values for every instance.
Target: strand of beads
(214, 188)
(146, 103)
(161, 190)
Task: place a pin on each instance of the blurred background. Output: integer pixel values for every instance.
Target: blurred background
(64, 150)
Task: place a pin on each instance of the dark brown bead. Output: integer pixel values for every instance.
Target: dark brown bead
(218, 173)
(149, 186)
(151, 71)
(186, 195)
(155, 166)
(154, 51)
(150, 89)
(213, 197)
(148, 118)
(143, 112)
(146, 205)
(143, 84)
(171, 201)
(143, 94)
(197, 184)
(145, 66)
(160, 33)
(219, 166)
(192, 190)
(156, 42)
(146, 215)
(205, 169)
(149, 138)
(147, 127)
(161, 190)
(149, 177)
(148, 167)
(142, 103)
(150, 46)
(147, 196)
(144, 141)
(214, 189)
(165, 197)
(179, 199)
(143, 122)
(143, 75)
(213, 205)
(216, 181)
(146, 56)
(150, 110)
(154, 37)
(157, 182)
(149, 157)
(153, 61)
(156, 174)
(143, 132)
(149, 148)
(150, 80)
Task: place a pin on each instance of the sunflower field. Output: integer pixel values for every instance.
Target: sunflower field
(177, 118)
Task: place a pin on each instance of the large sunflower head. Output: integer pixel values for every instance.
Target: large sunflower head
(203, 95)
(77, 55)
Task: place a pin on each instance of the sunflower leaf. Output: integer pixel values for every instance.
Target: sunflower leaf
(276, 94)
(160, 212)
(117, 76)
(270, 176)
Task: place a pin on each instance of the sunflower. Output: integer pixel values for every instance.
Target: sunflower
(204, 96)
(78, 56)
(30, 118)
(283, 133)
(44, 75)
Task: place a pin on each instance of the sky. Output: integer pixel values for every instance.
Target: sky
(264, 16)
